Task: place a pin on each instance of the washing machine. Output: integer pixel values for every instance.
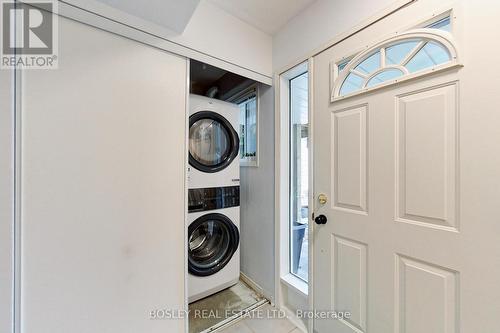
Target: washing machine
(213, 240)
(213, 143)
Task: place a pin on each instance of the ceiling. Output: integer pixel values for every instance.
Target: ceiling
(172, 14)
(266, 15)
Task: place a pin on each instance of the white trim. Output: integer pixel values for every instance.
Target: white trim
(383, 69)
(412, 53)
(152, 37)
(186, 199)
(283, 162)
(296, 284)
(277, 188)
(284, 280)
(358, 73)
(312, 196)
(17, 202)
(283, 238)
(442, 37)
(295, 71)
(382, 58)
(417, 75)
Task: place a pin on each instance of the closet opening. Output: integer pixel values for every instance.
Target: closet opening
(223, 137)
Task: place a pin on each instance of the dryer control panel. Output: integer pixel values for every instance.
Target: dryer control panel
(203, 199)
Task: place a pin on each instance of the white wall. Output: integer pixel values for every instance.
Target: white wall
(257, 202)
(318, 24)
(219, 34)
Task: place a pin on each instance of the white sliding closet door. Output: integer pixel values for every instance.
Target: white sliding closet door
(102, 195)
(6, 196)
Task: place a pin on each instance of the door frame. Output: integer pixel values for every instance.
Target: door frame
(282, 238)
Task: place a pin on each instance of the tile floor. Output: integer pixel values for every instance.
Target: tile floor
(221, 305)
(262, 321)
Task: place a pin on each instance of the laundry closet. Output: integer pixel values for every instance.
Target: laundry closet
(223, 145)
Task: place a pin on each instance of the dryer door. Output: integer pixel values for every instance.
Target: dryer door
(213, 142)
(212, 239)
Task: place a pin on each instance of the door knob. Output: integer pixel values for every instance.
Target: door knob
(320, 219)
(322, 198)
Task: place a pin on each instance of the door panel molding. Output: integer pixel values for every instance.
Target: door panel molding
(350, 159)
(349, 263)
(426, 297)
(426, 159)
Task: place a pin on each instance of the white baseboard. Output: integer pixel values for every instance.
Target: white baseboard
(255, 286)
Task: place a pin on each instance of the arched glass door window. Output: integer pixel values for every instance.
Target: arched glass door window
(406, 55)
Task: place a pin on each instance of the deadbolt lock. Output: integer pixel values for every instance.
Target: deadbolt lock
(322, 198)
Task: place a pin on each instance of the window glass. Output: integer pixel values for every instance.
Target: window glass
(352, 83)
(431, 54)
(248, 127)
(396, 53)
(299, 175)
(388, 74)
(443, 24)
(370, 64)
(342, 65)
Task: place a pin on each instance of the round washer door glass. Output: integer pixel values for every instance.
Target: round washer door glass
(213, 143)
(213, 239)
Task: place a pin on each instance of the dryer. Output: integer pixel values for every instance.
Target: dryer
(213, 240)
(213, 143)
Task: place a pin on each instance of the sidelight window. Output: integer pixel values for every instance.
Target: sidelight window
(299, 175)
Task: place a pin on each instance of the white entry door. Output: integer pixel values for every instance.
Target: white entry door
(408, 155)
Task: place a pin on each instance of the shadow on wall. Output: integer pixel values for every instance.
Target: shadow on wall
(257, 202)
